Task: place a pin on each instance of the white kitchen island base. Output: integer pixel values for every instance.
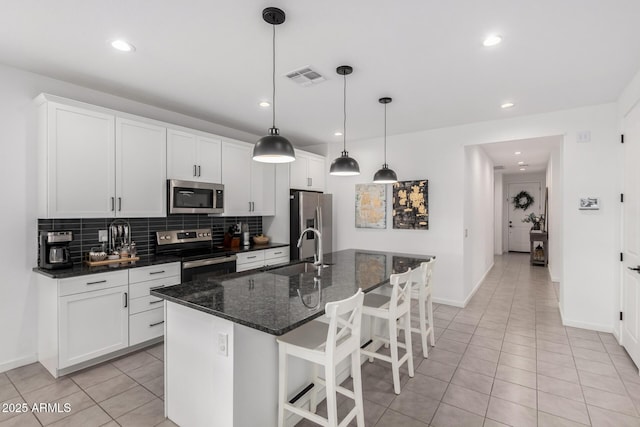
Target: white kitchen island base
(205, 387)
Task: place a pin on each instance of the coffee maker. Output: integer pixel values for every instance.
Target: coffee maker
(54, 249)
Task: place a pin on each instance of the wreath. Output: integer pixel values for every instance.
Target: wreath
(522, 200)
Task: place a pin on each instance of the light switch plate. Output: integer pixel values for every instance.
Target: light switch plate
(223, 341)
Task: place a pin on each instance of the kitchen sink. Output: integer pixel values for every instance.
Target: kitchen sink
(301, 268)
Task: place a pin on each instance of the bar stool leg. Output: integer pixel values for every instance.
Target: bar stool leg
(408, 342)
(395, 366)
(282, 385)
(372, 331)
(430, 314)
(357, 387)
(313, 401)
(332, 405)
(423, 326)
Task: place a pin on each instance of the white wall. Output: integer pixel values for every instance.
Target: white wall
(554, 215)
(18, 208)
(437, 155)
(478, 218)
(498, 211)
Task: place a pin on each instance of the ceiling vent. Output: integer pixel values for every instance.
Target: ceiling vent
(305, 76)
(498, 168)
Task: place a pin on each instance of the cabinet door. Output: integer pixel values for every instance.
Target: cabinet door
(81, 156)
(209, 152)
(298, 172)
(236, 177)
(263, 188)
(182, 148)
(315, 170)
(140, 169)
(92, 324)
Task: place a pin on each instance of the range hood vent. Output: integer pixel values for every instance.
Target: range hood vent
(305, 76)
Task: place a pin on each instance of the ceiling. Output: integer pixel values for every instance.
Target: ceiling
(212, 59)
(534, 153)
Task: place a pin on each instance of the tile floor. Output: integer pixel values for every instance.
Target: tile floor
(505, 359)
(125, 392)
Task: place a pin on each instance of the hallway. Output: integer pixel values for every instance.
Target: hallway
(506, 359)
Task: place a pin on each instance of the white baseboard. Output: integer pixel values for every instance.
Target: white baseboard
(585, 325)
(477, 286)
(446, 301)
(16, 363)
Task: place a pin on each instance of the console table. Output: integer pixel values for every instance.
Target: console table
(540, 238)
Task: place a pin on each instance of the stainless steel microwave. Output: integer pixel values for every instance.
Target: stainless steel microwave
(191, 197)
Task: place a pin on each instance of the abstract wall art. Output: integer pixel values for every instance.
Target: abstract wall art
(411, 205)
(371, 206)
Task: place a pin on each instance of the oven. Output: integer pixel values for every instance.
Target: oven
(208, 268)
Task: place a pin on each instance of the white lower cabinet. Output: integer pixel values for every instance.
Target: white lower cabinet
(88, 319)
(261, 258)
(93, 324)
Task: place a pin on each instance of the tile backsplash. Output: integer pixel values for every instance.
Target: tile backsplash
(85, 230)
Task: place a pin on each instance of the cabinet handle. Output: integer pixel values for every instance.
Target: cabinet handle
(195, 170)
(95, 283)
(155, 302)
(156, 272)
(199, 170)
(126, 299)
(277, 253)
(113, 203)
(251, 257)
(249, 206)
(253, 206)
(156, 324)
(119, 204)
(310, 182)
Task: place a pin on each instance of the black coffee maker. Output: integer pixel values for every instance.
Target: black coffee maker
(54, 249)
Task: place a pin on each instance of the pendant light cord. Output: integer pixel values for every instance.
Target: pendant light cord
(385, 134)
(273, 76)
(344, 109)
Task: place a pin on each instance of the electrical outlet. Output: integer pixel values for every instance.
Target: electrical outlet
(103, 236)
(223, 341)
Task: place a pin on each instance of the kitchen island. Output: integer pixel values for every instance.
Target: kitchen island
(221, 355)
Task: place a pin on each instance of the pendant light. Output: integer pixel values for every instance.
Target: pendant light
(273, 148)
(385, 175)
(344, 165)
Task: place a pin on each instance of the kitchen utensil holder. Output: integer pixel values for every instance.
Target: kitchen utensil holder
(119, 234)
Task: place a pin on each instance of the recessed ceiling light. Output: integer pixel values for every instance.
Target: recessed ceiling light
(521, 163)
(523, 169)
(492, 40)
(507, 105)
(264, 104)
(122, 45)
(337, 133)
(517, 153)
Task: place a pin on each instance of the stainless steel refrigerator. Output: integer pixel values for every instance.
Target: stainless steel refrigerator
(309, 209)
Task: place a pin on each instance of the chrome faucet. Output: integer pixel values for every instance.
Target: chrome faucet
(317, 256)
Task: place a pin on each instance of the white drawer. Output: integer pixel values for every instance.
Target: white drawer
(141, 289)
(249, 266)
(250, 257)
(276, 253)
(146, 325)
(276, 261)
(92, 282)
(153, 272)
(138, 305)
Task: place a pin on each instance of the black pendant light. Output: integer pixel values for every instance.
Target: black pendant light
(385, 175)
(344, 165)
(273, 148)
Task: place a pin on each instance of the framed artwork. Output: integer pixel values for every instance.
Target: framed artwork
(371, 206)
(411, 205)
(589, 203)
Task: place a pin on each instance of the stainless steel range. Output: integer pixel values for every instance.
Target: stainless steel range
(200, 258)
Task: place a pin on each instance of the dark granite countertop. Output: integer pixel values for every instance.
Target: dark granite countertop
(145, 261)
(276, 301)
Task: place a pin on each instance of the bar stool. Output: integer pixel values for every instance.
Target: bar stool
(326, 345)
(421, 290)
(392, 308)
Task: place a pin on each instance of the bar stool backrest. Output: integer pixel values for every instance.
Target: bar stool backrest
(400, 294)
(421, 277)
(345, 323)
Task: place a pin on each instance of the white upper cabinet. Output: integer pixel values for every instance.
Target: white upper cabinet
(249, 187)
(193, 157)
(94, 165)
(307, 172)
(76, 162)
(141, 189)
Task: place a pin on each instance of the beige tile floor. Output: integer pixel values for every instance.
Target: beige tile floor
(505, 359)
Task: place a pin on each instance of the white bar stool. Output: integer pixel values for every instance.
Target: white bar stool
(421, 290)
(326, 345)
(392, 309)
